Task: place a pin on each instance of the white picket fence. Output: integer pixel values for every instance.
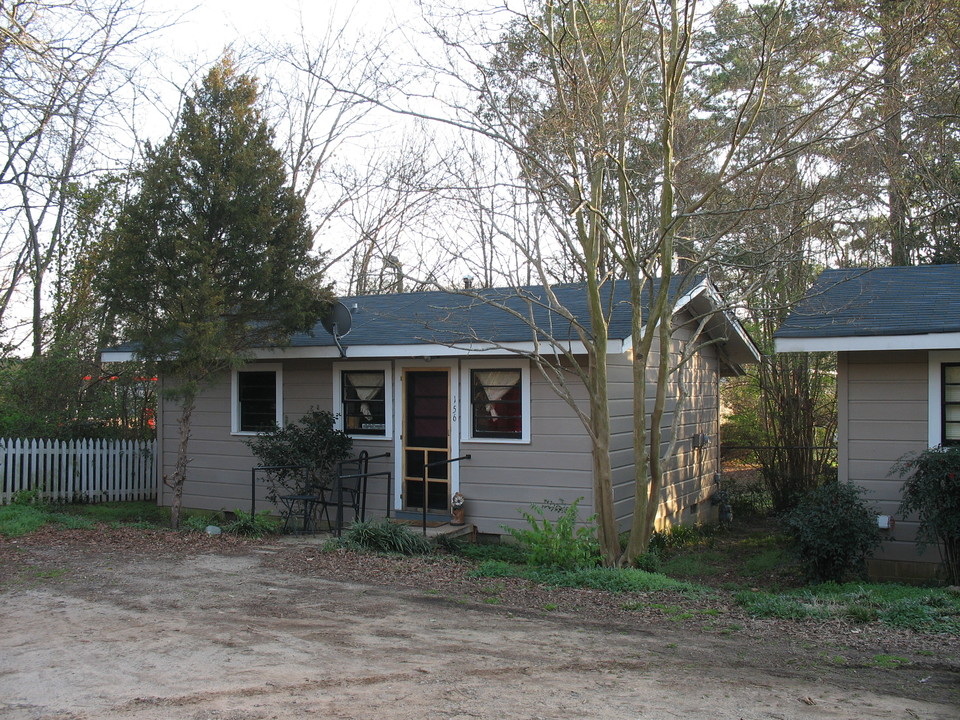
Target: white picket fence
(72, 470)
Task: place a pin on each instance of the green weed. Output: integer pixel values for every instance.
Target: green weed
(557, 542)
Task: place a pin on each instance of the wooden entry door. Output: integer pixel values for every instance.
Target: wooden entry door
(426, 439)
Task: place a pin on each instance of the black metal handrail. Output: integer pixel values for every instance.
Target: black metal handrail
(426, 467)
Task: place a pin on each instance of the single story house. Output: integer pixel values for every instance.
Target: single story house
(438, 375)
(896, 332)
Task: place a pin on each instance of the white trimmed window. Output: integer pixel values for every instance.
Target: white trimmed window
(950, 399)
(257, 399)
(363, 399)
(943, 398)
(496, 400)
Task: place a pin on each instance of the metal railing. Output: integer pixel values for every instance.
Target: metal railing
(426, 468)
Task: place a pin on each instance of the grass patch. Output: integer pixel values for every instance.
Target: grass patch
(121, 513)
(766, 561)
(609, 579)
(701, 564)
(481, 552)
(21, 519)
(889, 661)
(926, 610)
(17, 520)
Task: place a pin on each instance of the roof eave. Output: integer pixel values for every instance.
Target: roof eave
(856, 343)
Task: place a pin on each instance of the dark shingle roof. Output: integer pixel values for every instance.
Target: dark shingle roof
(488, 315)
(882, 301)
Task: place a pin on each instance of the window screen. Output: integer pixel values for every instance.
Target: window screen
(257, 400)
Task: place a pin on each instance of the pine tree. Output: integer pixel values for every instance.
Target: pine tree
(212, 255)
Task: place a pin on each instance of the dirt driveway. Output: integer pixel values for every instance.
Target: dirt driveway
(231, 634)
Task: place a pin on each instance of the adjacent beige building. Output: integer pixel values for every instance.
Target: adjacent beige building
(896, 332)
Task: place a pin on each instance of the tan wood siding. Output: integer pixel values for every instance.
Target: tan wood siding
(502, 478)
(884, 412)
(689, 471)
(218, 477)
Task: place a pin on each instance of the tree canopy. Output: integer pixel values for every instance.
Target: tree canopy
(211, 257)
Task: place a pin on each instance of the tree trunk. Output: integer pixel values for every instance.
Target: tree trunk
(892, 152)
(180, 467)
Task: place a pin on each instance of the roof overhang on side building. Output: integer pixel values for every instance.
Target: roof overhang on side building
(867, 309)
(933, 341)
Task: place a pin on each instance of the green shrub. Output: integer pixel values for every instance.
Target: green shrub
(932, 491)
(385, 536)
(833, 531)
(559, 542)
(312, 442)
(650, 562)
(252, 525)
(28, 497)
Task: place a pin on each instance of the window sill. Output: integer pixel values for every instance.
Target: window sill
(497, 441)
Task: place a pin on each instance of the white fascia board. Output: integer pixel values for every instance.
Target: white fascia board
(423, 350)
(732, 322)
(933, 341)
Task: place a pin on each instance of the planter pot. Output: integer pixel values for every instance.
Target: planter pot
(458, 515)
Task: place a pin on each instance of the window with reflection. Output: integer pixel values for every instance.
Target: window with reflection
(496, 398)
(363, 394)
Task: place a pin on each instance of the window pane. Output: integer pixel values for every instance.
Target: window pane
(257, 399)
(364, 402)
(951, 404)
(497, 403)
(952, 432)
(951, 374)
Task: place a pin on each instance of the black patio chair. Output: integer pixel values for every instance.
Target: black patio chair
(309, 496)
(349, 489)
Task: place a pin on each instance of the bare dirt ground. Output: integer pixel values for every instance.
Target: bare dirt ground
(125, 624)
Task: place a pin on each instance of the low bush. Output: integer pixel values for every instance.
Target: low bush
(312, 445)
(385, 536)
(932, 491)
(557, 542)
(507, 552)
(252, 525)
(832, 531)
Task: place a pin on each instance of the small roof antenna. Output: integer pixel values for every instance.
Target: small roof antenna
(338, 324)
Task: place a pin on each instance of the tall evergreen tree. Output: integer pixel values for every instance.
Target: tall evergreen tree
(212, 256)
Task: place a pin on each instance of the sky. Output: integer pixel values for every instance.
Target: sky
(207, 26)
